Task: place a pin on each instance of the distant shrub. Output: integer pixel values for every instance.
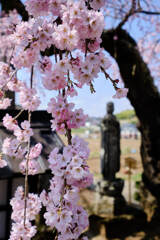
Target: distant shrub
(127, 114)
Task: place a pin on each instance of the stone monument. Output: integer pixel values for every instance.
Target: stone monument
(110, 144)
(109, 198)
(110, 153)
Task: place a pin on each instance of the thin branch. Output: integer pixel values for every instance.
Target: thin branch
(26, 175)
(114, 82)
(27, 160)
(127, 16)
(132, 12)
(31, 78)
(148, 12)
(18, 114)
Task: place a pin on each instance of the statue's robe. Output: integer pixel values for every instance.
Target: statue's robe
(110, 147)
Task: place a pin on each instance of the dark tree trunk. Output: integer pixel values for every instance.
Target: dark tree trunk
(145, 99)
(8, 5)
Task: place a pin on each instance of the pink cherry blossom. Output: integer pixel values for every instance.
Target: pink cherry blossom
(55, 80)
(3, 162)
(97, 4)
(65, 37)
(28, 99)
(33, 167)
(10, 146)
(121, 92)
(35, 151)
(45, 64)
(67, 25)
(9, 122)
(19, 230)
(5, 103)
(37, 7)
(64, 115)
(24, 134)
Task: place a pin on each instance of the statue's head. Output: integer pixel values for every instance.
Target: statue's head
(110, 107)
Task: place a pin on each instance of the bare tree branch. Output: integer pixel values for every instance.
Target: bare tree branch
(132, 12)
(148, 12)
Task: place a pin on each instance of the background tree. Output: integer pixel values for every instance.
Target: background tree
(143, 94)
(135, 58)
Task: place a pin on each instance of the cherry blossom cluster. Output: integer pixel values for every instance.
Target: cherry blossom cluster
(19, 229)
(28, 99)
(30, 38)
(44, 7)
(7, 28)
(63, 115)
(71, 173)
(5, 75)
(97, 4)
(84, 71)
(73, 30)
(16, 148)
(8, 81)
(80, 29)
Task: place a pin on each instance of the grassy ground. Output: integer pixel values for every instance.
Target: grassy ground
(127, 146)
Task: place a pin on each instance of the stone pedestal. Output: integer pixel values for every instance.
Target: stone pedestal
(112, 189)
(104, 205)
(108, 195)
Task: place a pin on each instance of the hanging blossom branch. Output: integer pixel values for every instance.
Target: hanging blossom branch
(25, 205)
(26, 174)
(120, 92)
(79, 26)
(27, 156)
(114, 82)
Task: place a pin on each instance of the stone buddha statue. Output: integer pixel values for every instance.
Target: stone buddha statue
(110, 145)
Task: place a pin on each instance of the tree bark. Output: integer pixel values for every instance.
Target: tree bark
(8, 5)
(145, 99)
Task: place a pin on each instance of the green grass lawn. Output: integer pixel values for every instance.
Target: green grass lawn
(79, 130)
